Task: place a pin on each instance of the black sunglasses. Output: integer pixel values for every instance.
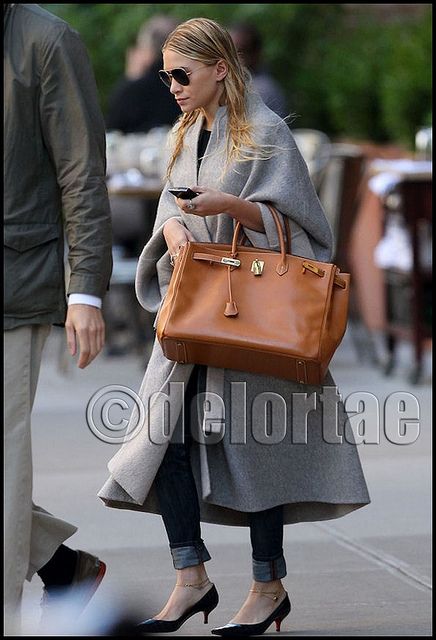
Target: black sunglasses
(180, 75)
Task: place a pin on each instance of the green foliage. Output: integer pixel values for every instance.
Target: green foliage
(107, 31)
(352, 70)
(380, 80)
(366, 80)
(405, 90)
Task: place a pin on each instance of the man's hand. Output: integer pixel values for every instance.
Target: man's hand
(84, 327)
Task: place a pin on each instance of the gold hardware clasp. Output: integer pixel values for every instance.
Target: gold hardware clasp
(311, 267)
(233, 262)
(257, 267)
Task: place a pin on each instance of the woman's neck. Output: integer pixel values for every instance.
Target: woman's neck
(209, 112)
(208, 120)
(205, 126)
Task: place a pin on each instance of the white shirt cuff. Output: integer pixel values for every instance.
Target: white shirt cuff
(84, 298)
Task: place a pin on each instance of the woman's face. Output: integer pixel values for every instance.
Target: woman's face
(204, 88)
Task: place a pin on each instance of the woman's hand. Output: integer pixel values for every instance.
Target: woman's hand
(209, 202)
(176, 235)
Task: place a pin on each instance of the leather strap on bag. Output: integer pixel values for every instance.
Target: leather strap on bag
(282, 266)
(288, 235)
(244, 238)
(231, 309)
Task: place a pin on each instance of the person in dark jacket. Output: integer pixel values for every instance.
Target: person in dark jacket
(248, 42)
(54, 185)
(139, 101)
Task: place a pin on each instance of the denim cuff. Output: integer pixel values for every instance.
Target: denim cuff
(189, 555)
(267, 570)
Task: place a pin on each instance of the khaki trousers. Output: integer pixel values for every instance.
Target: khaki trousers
(31, 534)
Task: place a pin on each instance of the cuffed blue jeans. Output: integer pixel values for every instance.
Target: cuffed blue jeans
(178, 502)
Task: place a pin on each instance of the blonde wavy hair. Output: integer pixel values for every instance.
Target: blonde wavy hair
(208, 42)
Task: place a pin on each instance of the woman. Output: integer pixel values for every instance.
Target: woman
(237, 155)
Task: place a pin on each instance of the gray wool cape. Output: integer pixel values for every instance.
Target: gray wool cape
(246, 457)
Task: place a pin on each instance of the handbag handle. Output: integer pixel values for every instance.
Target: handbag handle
(282, 266)
(288, 236)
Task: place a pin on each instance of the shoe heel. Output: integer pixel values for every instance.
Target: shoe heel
(212, 602)
(279, 620)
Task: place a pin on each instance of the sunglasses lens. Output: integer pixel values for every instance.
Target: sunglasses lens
(165, 77)
(180, 76)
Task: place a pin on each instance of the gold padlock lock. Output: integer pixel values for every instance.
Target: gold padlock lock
(257, 267)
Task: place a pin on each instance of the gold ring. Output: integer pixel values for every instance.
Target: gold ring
(173, 256)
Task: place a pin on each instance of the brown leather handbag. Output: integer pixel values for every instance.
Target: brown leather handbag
(251, 309)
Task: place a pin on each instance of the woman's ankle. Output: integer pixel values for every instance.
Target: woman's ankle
(195, 575)
(272, 585)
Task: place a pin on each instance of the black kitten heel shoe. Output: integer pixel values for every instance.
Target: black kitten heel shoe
(207, 603)
(234, 629)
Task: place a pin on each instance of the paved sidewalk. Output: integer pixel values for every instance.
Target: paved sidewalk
(365, 574)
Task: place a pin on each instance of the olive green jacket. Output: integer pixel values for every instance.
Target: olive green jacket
(54, 170)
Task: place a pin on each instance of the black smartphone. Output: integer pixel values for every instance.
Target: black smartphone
(183, 192)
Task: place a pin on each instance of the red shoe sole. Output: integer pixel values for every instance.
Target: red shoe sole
(94, 586)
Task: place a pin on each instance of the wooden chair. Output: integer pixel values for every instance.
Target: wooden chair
(339, 194)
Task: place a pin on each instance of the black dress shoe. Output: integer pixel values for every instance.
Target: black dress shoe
(207, 603)
(87, 577)
(88, 574)
(234, 629)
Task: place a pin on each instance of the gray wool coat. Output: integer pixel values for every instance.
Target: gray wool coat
(265, 443)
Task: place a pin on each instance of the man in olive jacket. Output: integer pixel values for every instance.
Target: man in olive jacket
(54, 177)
